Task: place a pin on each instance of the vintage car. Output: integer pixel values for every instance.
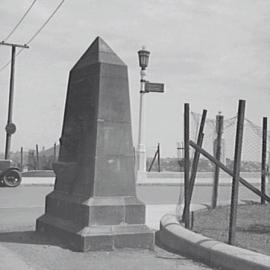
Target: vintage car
(10, 176)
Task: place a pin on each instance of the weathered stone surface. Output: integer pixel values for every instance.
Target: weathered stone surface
(92, 238)
(94, 205)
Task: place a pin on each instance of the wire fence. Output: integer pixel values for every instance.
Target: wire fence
(251, 150)
(252, 141)
(35, 158)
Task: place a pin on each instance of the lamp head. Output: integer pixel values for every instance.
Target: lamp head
(143, 58)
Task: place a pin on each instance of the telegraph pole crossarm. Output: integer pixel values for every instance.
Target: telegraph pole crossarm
(24, 46)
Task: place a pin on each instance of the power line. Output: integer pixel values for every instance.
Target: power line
(45, 23)
(20, 21)
(36, 33)
(7, 64)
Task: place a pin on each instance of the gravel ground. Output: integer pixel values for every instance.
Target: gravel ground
(253, 225)
(40, 252)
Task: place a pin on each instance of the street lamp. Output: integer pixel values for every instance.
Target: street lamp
(141, 152)
(145, 87)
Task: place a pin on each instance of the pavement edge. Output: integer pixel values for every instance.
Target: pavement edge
(214, 253)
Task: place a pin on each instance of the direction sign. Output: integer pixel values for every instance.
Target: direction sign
(154, 87)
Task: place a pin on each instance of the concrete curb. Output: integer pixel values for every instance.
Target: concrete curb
(41, 181)
(214, 253)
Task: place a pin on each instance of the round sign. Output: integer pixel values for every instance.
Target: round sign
(10, 128)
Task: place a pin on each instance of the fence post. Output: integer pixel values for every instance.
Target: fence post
(264, 149)
(54, 152)
(228, 171)
(21, 159)
(37, 154)
(195, 162)
(186, 164)
(153, 160)
(236, 170)
(217, 155)
(158, 157)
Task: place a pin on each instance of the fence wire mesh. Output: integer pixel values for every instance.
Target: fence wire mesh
(252, 141)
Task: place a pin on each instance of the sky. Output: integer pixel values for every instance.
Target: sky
(208, 53)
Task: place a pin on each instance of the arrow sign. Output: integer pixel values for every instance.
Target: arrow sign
(154, 87)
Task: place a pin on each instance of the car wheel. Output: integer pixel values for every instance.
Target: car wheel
(12, 178)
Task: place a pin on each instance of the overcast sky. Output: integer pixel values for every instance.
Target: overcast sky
(209, 53)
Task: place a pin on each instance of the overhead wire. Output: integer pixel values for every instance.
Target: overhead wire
(5, 65)
(45, 23)
(20, 21)
(36, 33)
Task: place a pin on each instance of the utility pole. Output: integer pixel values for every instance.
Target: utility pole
(10, 127)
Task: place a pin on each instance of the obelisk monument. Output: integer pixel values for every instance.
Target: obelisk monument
(93, 205)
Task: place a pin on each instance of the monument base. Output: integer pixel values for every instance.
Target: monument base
(95, 238)
(99, 223)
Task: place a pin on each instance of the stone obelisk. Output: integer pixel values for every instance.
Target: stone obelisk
(93, 205)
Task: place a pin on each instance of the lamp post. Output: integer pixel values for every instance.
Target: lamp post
(141, 152)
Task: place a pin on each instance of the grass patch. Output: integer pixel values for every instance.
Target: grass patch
(253, 225)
